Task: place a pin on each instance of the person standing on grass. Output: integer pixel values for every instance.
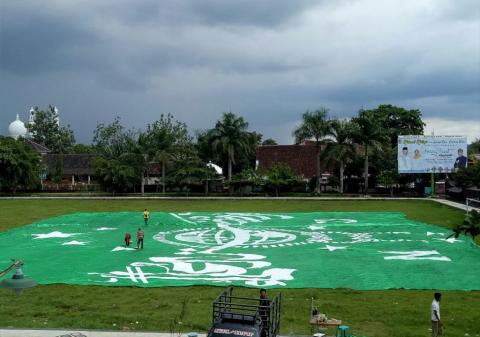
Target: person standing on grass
(128, 239)
(146, 216)
(140, 236)
(264, 310)
(436, 322)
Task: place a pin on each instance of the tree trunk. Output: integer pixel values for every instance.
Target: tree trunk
(229, 170)
(341, 176)
(366, 170)
(229, 175)
(163, 176)
(317, 187)
(142, 186)
(391, 191)
(276, 191)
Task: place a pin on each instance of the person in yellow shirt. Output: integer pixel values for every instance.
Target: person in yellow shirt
(146, 216)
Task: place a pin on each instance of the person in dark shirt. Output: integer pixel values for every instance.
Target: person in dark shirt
(140, 235)
(264, 310)
(461, 161)
(128, 239)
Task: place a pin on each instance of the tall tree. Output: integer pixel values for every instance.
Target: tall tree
(398, 121)
(121, 156)
(189, 170)
(46, 130)
(230, 137)
(316, 126)
(342, 148)
(20, 166)
(161, 139)
(118, 175)
(112, 140)
(369, 132)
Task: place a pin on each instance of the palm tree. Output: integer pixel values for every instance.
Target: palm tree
(230, 136)
(342, 148)
(368, 131)
(315, 126)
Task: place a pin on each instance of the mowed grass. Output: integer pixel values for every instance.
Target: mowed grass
(392, 313)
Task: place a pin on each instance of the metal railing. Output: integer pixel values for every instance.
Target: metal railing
(472, 204)
(248, 311)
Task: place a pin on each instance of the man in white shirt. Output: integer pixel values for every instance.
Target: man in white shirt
(404, 161)
(436, 322)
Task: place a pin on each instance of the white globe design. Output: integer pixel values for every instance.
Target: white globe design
(17, 128)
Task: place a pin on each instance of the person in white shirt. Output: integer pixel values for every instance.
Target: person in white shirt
(404, 161)
(436, 322)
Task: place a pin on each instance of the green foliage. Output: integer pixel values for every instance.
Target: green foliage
(189, 170)
(82, 149)
(58, 169)
(315, 125)
(45, 130)
(161, 140)
(341, 150)
(474, 147)
(398, 121)
(368, 131)
(248, 176)
(112, 140)
(469, 176)
(469, 226)
(384, 158)
(206, 151)
(269, 141)
(333, 181)
(280, 176)
(120, 175)
(20, 166)
(379, 129)
(230, 139)
(388, 179)
(163, 135)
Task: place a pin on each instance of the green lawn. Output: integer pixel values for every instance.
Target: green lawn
(401, 313)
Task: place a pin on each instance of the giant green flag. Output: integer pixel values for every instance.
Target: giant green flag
(364, 250)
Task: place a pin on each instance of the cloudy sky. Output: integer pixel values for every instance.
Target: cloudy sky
(268, 61)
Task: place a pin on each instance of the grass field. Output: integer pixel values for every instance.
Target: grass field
(401, 313)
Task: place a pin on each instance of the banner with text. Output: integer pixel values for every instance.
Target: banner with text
(426, 154)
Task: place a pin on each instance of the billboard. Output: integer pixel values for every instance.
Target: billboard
(426, 154)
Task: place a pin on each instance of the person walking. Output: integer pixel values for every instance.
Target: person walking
(437, 329)
(140, 236)
(146, 216)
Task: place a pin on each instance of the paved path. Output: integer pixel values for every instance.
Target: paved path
(84, 333)
(454, 204)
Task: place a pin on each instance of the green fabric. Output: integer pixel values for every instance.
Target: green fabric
(364, 250)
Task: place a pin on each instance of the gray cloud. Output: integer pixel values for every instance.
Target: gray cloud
(268, 61)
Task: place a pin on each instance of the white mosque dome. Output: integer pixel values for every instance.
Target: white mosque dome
(17, 128)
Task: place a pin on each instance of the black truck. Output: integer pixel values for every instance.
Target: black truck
(234, 316)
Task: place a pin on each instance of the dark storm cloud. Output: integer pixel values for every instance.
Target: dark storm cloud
(265, 13)
(32, 43)
(442, 83)
(268, 61)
